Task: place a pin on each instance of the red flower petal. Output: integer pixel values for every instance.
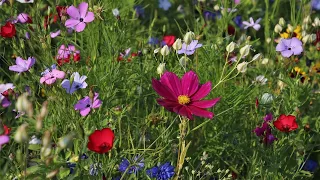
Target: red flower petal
(206, 103)
(172, 81)
(190, 83)
(202, 92)
(163, 91)
(201, 112)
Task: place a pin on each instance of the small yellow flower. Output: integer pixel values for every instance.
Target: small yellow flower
(296, 33)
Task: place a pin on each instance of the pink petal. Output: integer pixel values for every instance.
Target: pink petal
(17, 68)
(190, 83)
(202, 92)
(89, 17)
(96, 103)
(82, 103)
(50, 80)
(4, 139)
(163, 90)
(30, 62)
(85, 112)
(169, 105)
(183, 111)
(80, 27)
(201, 112)
(83, 8)
(172, 81)
(55, 34)
(58, 74)
(73, 12)
(42, 79)
(205, 103)
(20, 61)
(71, 23)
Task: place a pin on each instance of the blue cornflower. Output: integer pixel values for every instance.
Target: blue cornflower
(238, 21)
(139, 10)
(71, 166)
(153, 41)
(134, 167)
(310, 165)
(78, 83)
(94, 169)
(315, 4)
(163, 172)
(209, 16)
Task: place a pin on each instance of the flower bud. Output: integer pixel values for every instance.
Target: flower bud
(161, 68)
(52, 174)
(257, 56)
(242, 67)
(290, 28)
(266, 98)
(305, 39)
(44, 110)
(307, 20)
(282, 22)
(183, 61)
(46, 139)
(277, 28)
(316, 22)
(65, 141)
(216, 8)
(230, 47)
(24, 105)
(156, 50)
(265, 61)
(177, 45)
(188, 37)
(21, 133)
(268, 40)
(165, 50)
(244, 51)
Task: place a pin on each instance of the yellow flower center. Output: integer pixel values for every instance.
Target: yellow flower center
(183, 99)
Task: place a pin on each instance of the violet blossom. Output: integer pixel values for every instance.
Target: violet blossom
(79, 17)
(189, 49)
(86, 104)
(289, 47)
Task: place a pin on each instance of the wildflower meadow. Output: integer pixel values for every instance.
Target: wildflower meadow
(160, 89)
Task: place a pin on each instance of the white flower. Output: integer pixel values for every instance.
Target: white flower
(266, 98)
(242, 67)
(260, 80)
(34, 140)
(25, 1)
(115, 12)
(164, 4)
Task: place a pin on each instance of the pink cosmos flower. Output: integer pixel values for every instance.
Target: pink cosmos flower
(85, 104)
(22, 65)
(52, 76)
(184, 96)
(79, 17)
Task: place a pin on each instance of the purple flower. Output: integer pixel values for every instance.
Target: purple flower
(237, 1)
(189, 49)
(310, 165)
(22, 65)
(78, 83)
(268, 117)
(139, 10)
(163, 172)
(153, 41)
(24, 18)
(164, 4)
(315, 4)
(47, 70)
(2, 1)
(55, 34)
(27, 35)
(289, 47)
(79, 17)
(265, 131)
(85, 104)
(4, 139)
(209, 16)
(134, 166)
(254, 25)
(3, 88)
(65, 51)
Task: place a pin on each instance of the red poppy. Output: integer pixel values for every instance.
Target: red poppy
(169, 40)
(286, 123)
(8, 30)
(6, 130)
(101, 141)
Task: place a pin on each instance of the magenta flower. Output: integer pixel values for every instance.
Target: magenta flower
(86, 104)
(4, 88)
(289, 47)
(52, 76)
(79, 17)
(265, 130)
(184, 96)
(66, 51)
(22, 65)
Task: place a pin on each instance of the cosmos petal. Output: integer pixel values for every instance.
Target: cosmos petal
(201, 112)
(205, 103)
(202, 92)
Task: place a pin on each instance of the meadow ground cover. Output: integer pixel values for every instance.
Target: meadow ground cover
(161, 89)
